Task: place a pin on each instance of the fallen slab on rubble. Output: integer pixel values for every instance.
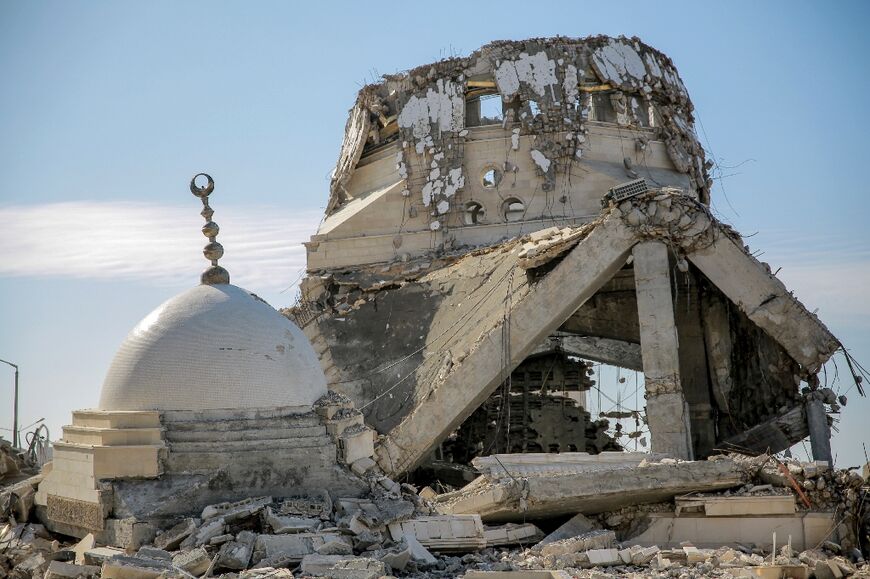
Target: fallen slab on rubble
(503, 498)
(668, 530)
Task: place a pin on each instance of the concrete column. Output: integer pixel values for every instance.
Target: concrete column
(666, 409)
(820, 431)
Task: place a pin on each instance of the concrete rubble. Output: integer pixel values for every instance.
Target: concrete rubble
(608, 531)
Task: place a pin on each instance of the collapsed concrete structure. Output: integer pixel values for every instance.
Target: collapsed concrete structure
(549, 191)
(495, 223)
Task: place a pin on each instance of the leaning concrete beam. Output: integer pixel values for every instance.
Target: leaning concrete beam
(532, 316)
(604, 350)
(766, 301)
(551, 495)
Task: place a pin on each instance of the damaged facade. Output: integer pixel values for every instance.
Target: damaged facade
(496, 224)
(548, 191)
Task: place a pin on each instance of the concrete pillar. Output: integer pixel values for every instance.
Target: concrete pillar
(820, 431)
(666, 409)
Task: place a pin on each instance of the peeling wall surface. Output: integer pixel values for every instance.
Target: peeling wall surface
(470, 236)
(517, 136)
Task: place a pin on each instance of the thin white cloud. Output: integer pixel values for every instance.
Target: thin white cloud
(264, 252)
(157, 243)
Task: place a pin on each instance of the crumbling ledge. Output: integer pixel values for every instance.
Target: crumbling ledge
(516, 499)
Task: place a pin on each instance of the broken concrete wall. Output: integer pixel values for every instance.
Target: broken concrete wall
(575, 117)
(458, 325)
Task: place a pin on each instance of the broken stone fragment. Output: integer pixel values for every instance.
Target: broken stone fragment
(146, 552)
(418, 551)
(61, 570)
(32, 566)
(281, 524)
(335, 545)
(367, 539)
(172, 538)
(585, 542)
(340, 567)
(576, 525)
(642, 556)
(195, 561)
(266, 573)
(98, 555)
(236, 555)
(290, 547)
(82, 547)
(236, 511)
(362, 466)
(397, 559)
(124, 567)
(205, 533)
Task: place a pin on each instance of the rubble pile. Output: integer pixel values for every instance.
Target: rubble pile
(395, 531)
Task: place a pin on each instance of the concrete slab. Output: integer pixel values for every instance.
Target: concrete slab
(667, 530)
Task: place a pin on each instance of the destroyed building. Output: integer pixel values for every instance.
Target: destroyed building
(496, 224)
(548, 193)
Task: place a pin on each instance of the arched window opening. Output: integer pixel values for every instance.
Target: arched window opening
(474, 213)
(513, 210)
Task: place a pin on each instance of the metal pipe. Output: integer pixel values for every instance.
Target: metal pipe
(15, 405)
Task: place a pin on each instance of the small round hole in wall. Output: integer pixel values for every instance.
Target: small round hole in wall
(474, 213)
(491, 177)
(513, 210)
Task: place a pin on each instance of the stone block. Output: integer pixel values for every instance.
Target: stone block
(33, 566)
(281, 524)
(98, 555)
(335, 545)
(774, 572)
(338, 567)
(396, 559)
(236, 555)
(236, 511)
(293, 547)
(266, 573)
(195, 561)
(82, 547)
(172, 538)
(604, 557)
(61, 570)
(356, 443)
(642, 556)
(576, 525)
(153, 553)
(124, 567)
(511, 534)
(419, 552)
(307, 506)
(591, 540)
(204, 533)
(363, 465)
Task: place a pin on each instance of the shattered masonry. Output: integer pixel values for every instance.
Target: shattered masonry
(496, 225)
(472, 219)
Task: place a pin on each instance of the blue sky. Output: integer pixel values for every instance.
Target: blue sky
(107, 109)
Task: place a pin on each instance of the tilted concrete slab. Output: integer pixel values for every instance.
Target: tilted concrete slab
(766, 301)
(457, 329)
(807, 530)
(511, 499)
(516, 319)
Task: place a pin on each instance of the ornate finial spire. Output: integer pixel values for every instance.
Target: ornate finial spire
(214, 250)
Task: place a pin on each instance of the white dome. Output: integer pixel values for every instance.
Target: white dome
(213, 347)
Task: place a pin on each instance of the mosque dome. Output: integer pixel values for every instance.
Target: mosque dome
(213, 347)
